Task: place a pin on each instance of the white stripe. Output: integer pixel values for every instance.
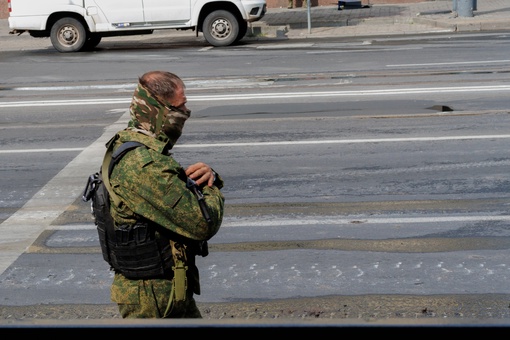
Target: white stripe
(310, 142)
(452, 63)
(42, 150)
(329, 220)
(253, 222)
(338, 141)
(356, 93)
(90, 226)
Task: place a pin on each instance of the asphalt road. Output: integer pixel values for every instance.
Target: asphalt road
(469, 283)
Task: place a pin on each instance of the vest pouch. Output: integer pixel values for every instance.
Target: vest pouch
(139, 255)
(105, 243)
(100, 206)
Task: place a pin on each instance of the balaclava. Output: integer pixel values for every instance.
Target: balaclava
(155, 116)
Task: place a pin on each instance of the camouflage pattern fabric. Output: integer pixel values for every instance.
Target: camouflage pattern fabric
(151, 185)
(149, 299)
(156, 116)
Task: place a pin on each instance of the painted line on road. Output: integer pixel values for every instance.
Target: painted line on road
(356, 93)
(42, 150)
(328, 220)
(345, 141)
(21, 229)
(310, 142)
(484, 62)
(274, 222)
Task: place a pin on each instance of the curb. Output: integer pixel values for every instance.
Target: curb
(452, 24)
(465, 25)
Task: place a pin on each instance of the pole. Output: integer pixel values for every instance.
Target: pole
(465, 8)
(309, 16)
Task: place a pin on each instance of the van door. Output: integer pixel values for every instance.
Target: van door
(167, 10)
(119, 11)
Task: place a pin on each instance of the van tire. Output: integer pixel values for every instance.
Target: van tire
(220, 28)
(243, 29)
(68, 35)
(92, 41)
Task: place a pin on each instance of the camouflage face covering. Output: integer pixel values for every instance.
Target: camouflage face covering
(156, 116)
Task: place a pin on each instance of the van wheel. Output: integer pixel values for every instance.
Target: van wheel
(221, 28)
(92, 41)
(68, 35)
(243, 28)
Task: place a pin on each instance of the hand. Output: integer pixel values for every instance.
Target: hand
(201, 173)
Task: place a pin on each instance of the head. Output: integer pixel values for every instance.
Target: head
(159, 105)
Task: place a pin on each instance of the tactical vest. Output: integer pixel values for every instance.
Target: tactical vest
(133, 251)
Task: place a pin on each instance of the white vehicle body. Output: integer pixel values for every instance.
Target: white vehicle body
(75, 25)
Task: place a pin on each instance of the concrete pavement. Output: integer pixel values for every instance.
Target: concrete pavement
(327, 21)
(377, 20)
(387, 19)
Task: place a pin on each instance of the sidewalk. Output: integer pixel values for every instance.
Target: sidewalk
(328, 21)
(377, 20)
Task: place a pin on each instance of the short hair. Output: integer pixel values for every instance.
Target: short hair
(161, 84)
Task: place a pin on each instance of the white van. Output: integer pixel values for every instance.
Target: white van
(79, 25)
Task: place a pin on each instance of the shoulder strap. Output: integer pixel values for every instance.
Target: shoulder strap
(109, 161)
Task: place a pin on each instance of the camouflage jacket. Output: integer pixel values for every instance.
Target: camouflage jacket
(152, 185)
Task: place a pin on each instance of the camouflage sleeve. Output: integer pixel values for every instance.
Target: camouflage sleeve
(151, 185)
(218, 182)
(215, 204)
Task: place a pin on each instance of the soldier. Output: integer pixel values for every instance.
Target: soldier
(159, 225)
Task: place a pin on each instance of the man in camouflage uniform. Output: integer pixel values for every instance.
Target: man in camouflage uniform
(152, 188)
